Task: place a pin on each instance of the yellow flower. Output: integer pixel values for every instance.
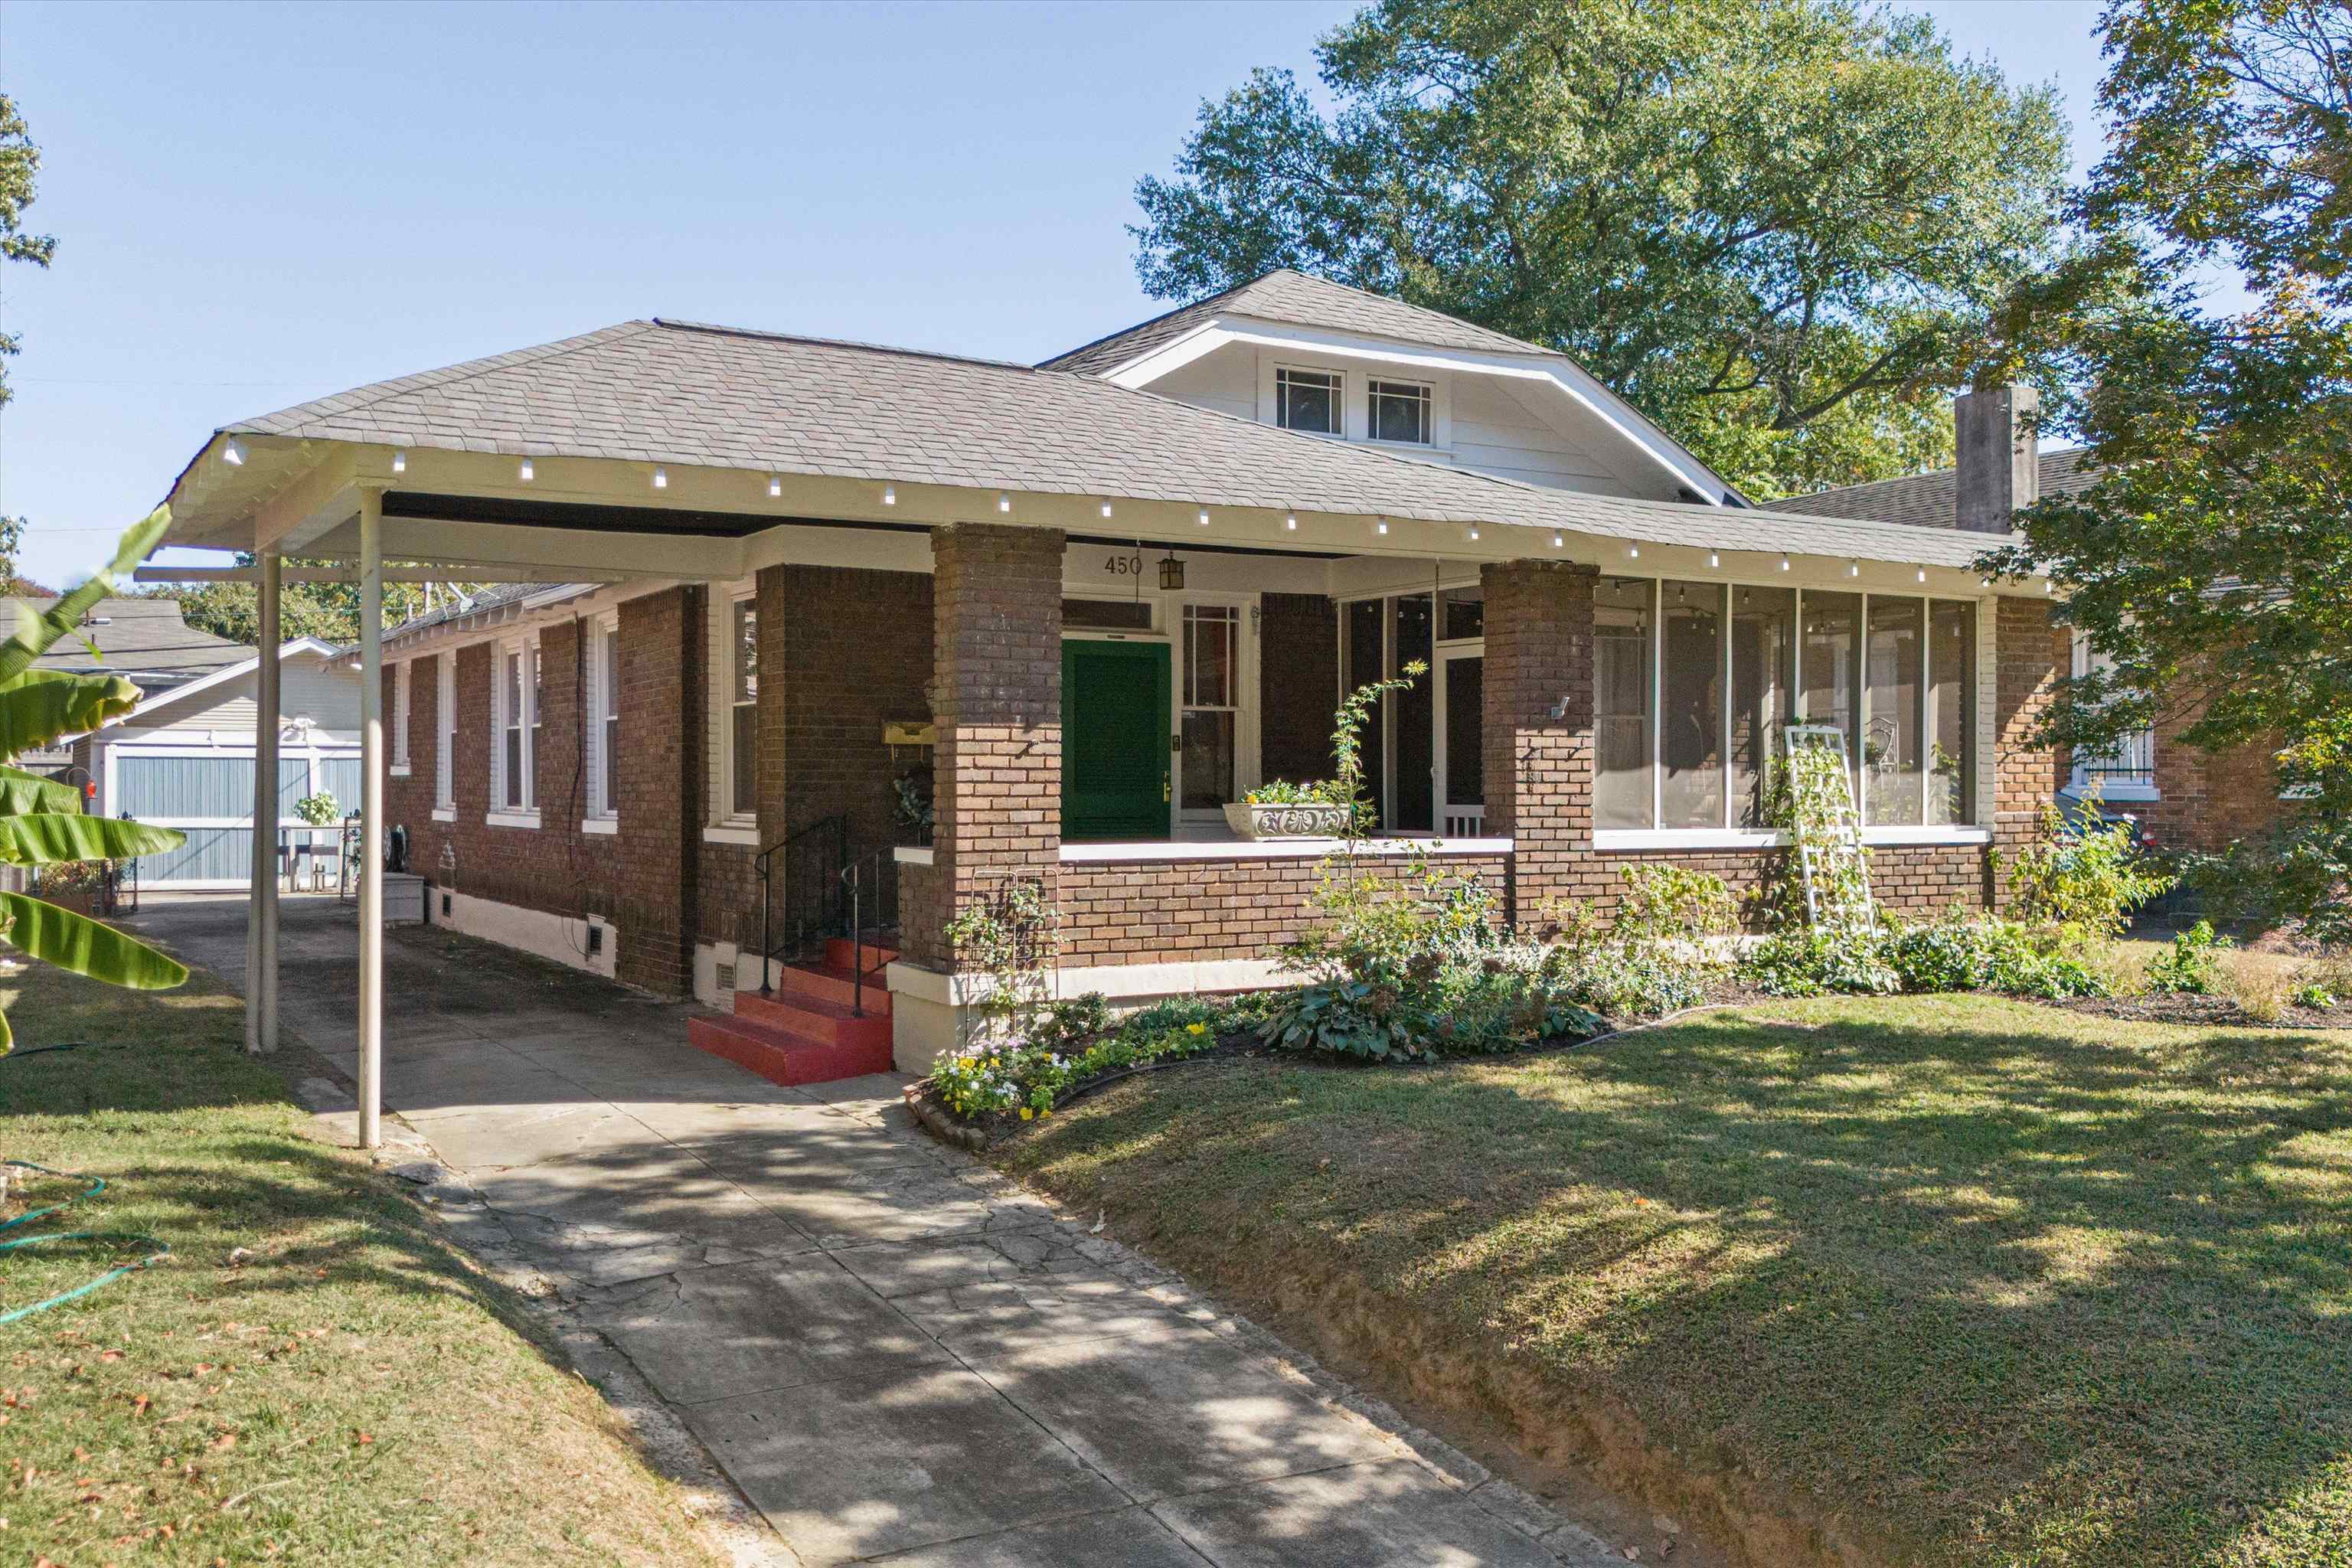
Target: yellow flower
(1196, 1028)
(1027, 1114)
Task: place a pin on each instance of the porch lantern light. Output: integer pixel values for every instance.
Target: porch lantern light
(525, 472)
(661, 479)
(775, 487)
(232, 455)
(1004, 500)
(399, 462)
(1172, 572)
(889, 495)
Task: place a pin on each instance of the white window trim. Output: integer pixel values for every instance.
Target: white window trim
(1629, 838)
(1356, 401)
(602, 629)
(445, 739)
(727, 823)
(1341, 394)
(500, 813)
(402, 709)
(1429, 399)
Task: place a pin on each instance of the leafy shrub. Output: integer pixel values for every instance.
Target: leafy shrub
(2187, 967)
(2084, 876)
(1510, 999)
(2313, 995)
(1664, 903)
(1282, 792)
(1371, 1019)
(1814, 960)
(1959, 953)
(1071, 1047)
(1637, 980)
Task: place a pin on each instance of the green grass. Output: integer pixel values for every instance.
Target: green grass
(352, 1392)
(1961, 1281)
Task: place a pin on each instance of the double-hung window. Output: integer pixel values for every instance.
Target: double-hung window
(1693, 683)
(445, 753)
(2127, 770)
(1213, 648)
(740, 766)
(1399, 411)
(400, 710)
(1309, 400)
(516, 720)
(603, 720)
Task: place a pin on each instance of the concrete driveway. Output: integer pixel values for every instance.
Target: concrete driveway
(892, 1352)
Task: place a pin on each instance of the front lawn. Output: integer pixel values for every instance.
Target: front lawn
(1933, 1279)
(311, 1377)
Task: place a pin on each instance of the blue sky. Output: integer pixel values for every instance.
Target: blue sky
(260, 204)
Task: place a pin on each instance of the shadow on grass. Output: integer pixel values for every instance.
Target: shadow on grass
(1995, 1282)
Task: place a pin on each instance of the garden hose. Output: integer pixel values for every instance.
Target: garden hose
(158, 1248)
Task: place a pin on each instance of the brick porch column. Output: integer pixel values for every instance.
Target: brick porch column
(663, 787)
(2030, 655)
(1538, 764)
(996, 618)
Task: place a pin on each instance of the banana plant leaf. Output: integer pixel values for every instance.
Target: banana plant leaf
(22, 793)
(36, 631)
(37, 706)
(44, 840)
(84, 946)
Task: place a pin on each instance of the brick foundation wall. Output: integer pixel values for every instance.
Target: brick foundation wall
(997, 773)
(1298, 685)
(1156, 912)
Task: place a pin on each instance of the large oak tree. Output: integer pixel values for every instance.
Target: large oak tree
(1777, 226)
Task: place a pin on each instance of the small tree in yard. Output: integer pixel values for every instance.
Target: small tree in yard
(40, 821)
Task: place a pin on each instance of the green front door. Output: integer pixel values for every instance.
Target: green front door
(1115, 719)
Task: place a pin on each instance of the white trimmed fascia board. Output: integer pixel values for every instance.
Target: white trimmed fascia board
(1570, 379)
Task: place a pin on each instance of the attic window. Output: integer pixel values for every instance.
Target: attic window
(1307, 400)
(1400, 412)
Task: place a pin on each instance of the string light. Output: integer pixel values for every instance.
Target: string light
(399, 462)
(1923, 573)
(1784, 563)
(1201, 517)
(1473, 531)
(1559, 542)
(1106, 509)
(525, 472)
(889, 495)
(1632, 553)
(1004, 500)
(1854, 568)
(1381, 526)
(661, 479)
(1290, 522)
(1713, 559)
(775, 487)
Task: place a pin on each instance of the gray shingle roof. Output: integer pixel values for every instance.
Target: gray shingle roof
(490, 598)
(678, 393)
(1929, 500)
(140, 635)
(1301, 300)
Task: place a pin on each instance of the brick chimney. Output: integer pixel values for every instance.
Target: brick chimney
(1999, 467)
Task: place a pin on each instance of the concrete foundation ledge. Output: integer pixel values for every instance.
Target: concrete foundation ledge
(932, 1011)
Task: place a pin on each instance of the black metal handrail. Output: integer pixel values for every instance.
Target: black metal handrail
(826, 838)
(873, 874)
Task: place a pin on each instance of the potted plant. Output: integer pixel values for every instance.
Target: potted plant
(1285, 810)
(73, 884)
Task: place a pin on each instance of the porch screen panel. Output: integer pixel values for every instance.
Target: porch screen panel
(1763, 659)
(1623, 785)
(1413, 721)
(1365, 663)
(341, 776)
(1211, 659)
(1892, 740)
(1829, 659)
(156, 789)
(1952, 713)
(1465, 731)
(1690, 721)
(210, 854)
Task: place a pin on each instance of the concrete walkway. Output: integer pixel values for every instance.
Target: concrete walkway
(892, 1352)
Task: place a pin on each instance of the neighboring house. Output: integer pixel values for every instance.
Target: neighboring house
(1085, 606)
(2184, 796)
(184, 758)
(144, 640)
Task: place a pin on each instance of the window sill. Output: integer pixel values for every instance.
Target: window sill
(1277, 848)
(512, 818)
(743, 832)
(445, 814)
(605, 825)
(1628, 838)
(2119, 792)
(398, 771)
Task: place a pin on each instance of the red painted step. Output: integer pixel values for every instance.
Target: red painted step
(813, 1017)
(837, 954)
(836, 985)
(781, 1057)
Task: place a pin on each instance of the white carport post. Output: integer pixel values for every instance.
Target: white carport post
(262, 918)
(371, 819)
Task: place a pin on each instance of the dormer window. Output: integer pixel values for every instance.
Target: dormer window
(1400, 412)
(1307, 400)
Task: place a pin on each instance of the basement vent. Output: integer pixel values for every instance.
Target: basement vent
(726, 978)
(445, 903)
(595, 938)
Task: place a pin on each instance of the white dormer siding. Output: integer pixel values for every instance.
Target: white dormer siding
(1479, 422)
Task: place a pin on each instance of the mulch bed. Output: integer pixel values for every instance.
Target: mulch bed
(2217, 1011)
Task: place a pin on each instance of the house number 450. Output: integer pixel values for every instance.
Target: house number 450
(1123, 566)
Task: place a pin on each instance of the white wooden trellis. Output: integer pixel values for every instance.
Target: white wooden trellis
(1828, 831)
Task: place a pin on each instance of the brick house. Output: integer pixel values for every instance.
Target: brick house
(2184, 798)
(773, 593)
